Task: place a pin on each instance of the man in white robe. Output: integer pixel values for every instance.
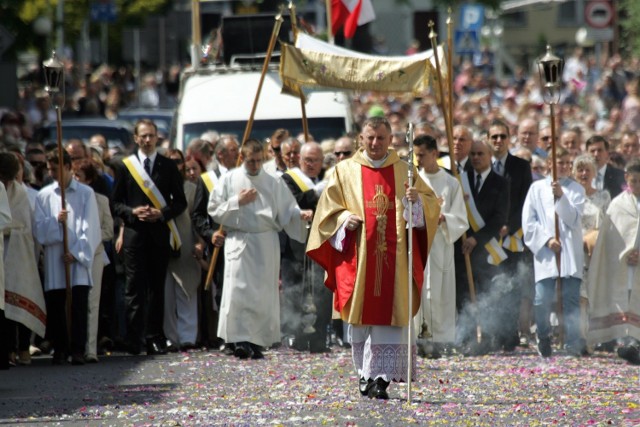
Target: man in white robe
(253, 206)
(81, 219)
(437, 316)
(614, 277)
(5, 220)
(546, 199)
(24, 299)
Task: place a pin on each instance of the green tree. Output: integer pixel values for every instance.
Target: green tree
(629, 23)
(18, 17)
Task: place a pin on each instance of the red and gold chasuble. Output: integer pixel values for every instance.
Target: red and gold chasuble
(380, 227)
(369, 276)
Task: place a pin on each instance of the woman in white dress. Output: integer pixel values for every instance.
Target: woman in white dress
(596, 203)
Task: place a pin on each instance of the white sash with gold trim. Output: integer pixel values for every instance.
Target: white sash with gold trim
(513, 242)
(496, 253)
(475, 219)
(149, 188)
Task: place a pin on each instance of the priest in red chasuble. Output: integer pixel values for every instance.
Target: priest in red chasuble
(359, 236)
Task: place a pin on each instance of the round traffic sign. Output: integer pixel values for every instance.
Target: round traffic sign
(598, 13)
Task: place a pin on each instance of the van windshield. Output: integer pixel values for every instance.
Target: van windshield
(319, 128)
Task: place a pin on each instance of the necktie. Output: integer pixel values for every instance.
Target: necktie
(497, 167)
(459, 167)
(599, 181)
(478, 183)
(147, 166)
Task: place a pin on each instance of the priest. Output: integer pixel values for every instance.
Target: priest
(359, 237)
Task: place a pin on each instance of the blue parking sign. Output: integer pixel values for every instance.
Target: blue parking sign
(471, 17)
(103, 11)
(466, 42)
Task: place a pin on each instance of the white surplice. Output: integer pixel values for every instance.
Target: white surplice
(250, 306)
(614, 286)
(438, 308)
(25, 300)
(5, 221)
(538, 224)
(83, 232)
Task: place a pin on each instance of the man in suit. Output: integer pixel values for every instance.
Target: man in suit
(489, 193)
(462, 139)
(147, 196)
(306, 187)
(607, 177)
(517, 172)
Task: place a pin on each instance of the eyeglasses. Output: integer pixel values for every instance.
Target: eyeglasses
(342, 153)
(147, 136)
(178, 161)
(499, 136)
(546, 138)
(310, 160)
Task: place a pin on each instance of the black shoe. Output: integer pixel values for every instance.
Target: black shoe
(187, 346)
(132, 349)
(243, 350)
(364, 386)
(318, 349)
(77, 359)
(577, 350)
(172, 348)
(544, 347)
(256, 351)
(228, 349)
(59, 358)
(154, 348)
(630, 353)
(378, 389)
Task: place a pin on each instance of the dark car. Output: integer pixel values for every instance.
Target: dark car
(162, 117)
(119, 133)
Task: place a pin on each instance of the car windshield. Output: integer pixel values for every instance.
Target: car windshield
(319, 128)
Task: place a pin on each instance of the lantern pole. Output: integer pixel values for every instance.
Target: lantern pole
(550, 68)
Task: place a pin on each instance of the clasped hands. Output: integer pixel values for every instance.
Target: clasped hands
(147, 213)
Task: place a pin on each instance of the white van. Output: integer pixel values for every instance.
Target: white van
(220, 98)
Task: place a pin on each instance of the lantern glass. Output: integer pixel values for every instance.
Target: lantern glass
(53, 74)
(550, 68)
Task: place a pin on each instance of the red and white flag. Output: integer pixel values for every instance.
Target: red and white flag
(350, 14)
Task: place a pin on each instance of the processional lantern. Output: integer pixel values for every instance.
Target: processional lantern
(550, 67)
(53, 77)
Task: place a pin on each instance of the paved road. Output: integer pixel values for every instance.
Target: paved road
(289, 388)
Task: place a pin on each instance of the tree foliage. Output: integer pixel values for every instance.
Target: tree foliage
(18, 17)
(629, 21)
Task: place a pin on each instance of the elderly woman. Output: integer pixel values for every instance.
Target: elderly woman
(596, 203)
(183, 273)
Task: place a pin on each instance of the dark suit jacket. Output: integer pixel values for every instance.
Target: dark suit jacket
(613, 181)
(493, 205)
(517, 172)
(127, 195)
(200, 218)
(306, 199)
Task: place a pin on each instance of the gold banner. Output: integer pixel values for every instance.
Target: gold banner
(342, 69)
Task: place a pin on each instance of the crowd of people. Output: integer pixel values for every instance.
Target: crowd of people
(240, 246)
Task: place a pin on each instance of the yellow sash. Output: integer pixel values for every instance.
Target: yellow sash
(149, 188)
(298, 179)
(475, 219)
(209, 178)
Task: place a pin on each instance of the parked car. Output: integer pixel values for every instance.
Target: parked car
(119, 133)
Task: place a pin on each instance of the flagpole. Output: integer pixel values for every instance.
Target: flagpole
(248, 128)
(410, 262)
(449, 130)
(330, 37)
(303, 107)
